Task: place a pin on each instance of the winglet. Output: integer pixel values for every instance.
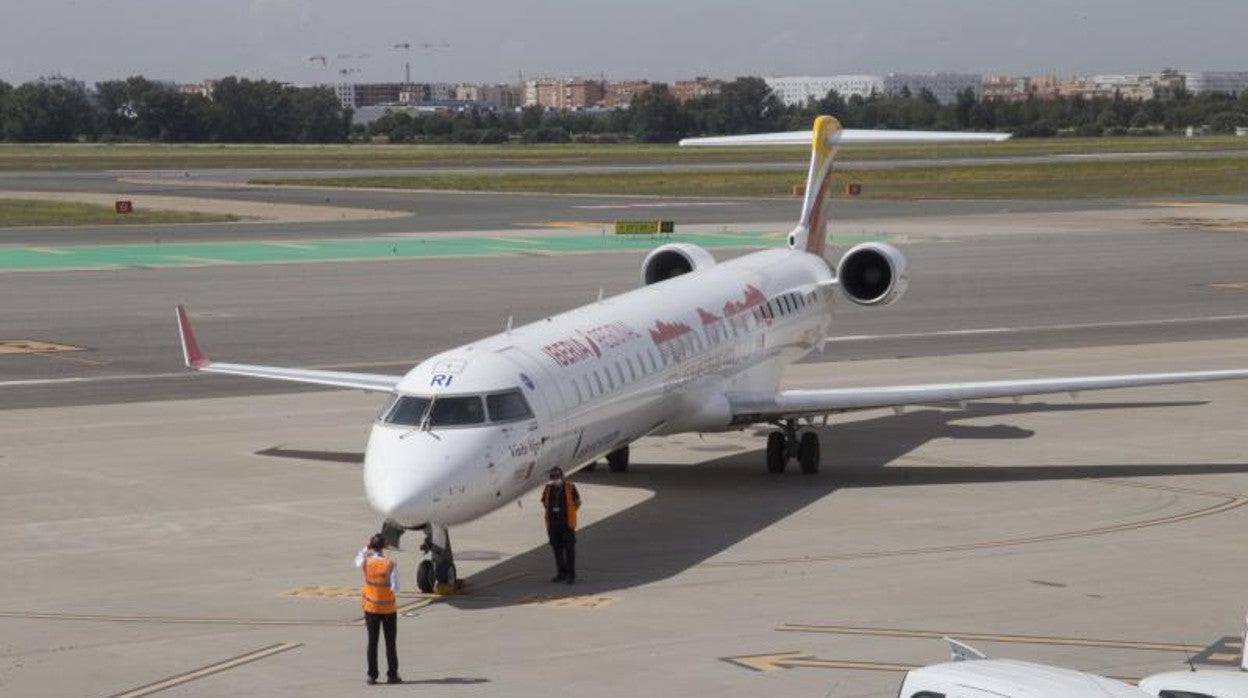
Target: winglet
(190, 348)
(962, 652)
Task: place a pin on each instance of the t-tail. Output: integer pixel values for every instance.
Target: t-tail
(824, 139)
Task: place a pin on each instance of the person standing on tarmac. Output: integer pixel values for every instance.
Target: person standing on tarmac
(562, 501)
(381, 584)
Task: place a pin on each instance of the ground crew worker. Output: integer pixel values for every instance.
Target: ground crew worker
(381, 584)
(561, 501)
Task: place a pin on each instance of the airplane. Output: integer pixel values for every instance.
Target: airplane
(701, 346)
(970, 672)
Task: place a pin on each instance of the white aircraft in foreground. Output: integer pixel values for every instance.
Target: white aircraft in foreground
(971, 674)
(700, 347)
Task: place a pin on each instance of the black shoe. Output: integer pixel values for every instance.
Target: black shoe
(570, 580)
(372, 681)
(557, 578)
(394, 679)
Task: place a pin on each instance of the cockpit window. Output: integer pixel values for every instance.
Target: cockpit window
(456, 411)
(405, 410)
(508, 406)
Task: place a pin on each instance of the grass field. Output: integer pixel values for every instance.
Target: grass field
(32, 213)
(155, 156)
(1169, 177)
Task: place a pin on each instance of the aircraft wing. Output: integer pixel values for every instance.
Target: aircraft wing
(788, 404)
(849, 136)
(340, 379)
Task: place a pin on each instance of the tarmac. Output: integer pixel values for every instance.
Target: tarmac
(190, 534)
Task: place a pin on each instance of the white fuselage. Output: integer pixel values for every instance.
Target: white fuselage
(661, 359)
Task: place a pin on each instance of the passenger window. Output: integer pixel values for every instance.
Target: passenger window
(632, 371)
(456, 411)
(598, 382)
(610, 382)
(508, 406)
(576, 386)
(619, 372)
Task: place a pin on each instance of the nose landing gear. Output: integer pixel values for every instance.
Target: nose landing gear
(786, 443)
(439, 569)
(437, 573)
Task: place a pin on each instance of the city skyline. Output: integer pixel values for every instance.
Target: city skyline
(275, 39)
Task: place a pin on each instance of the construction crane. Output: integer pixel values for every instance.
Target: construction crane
(407, 47)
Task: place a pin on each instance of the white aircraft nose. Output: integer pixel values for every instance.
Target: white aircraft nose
(410, 475)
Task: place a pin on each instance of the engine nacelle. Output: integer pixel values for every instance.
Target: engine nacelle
(873, 273)
(672, 260)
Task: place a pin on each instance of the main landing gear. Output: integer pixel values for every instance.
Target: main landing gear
(786, 444)
(617, 461)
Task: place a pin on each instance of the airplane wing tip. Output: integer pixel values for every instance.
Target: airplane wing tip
(191, 354)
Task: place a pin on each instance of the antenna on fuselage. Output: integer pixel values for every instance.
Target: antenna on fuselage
(600, 289)
(509, 319)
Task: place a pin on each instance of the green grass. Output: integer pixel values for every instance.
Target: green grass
(32, 213)
(1065, 180)
(354, 156)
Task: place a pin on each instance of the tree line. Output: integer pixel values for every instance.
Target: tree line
(137, 109)
(241, 111)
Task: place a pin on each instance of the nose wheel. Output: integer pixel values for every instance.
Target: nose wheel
(787, 443)
(439, 569)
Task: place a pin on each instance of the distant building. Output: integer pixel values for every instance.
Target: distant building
(800, 90)
(1006, 88)
(618, 94)
(945, 86)
(697, 88)
(1231, 83)
(564, 93)
(490, 96)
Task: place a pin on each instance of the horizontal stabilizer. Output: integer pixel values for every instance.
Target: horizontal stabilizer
(849, 136)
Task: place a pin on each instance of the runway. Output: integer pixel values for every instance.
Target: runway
(166, 531)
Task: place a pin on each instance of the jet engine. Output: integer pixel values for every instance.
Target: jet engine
(873, 274)
(672, 260)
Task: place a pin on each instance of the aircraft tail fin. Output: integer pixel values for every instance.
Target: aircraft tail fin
(824, 139)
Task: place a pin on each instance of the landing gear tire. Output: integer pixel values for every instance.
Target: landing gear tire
(777, 452)
(617, 460)
(448, 575)
(808, 453)
(425, 577)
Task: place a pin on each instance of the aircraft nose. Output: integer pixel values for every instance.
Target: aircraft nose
(408, 474)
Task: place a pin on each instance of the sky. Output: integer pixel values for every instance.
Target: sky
(478, 41)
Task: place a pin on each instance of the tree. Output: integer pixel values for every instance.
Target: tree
(655, 116)
(35, 112)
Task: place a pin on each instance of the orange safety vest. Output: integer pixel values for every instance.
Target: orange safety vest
(569, 500)
(378, 597)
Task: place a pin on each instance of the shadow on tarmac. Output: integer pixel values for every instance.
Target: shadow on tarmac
(699, 511)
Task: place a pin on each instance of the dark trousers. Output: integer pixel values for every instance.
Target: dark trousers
(563, 542)
(377, 622)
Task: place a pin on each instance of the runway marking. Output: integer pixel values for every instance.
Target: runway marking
(1238, 285)
(586, 602)
(160, 620)
(72, 359)
(1039, 328)
(802, 660)
(225, 665)
(47, 250)
(31, 346)
(291, 245)
(521, 241)
(199, 260)
(1229, 502)
(1173, 647)
(660, 204)
(573, 225)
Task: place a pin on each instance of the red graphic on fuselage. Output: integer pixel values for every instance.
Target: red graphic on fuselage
(666, 332)
(707, 317)
(753, 298)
